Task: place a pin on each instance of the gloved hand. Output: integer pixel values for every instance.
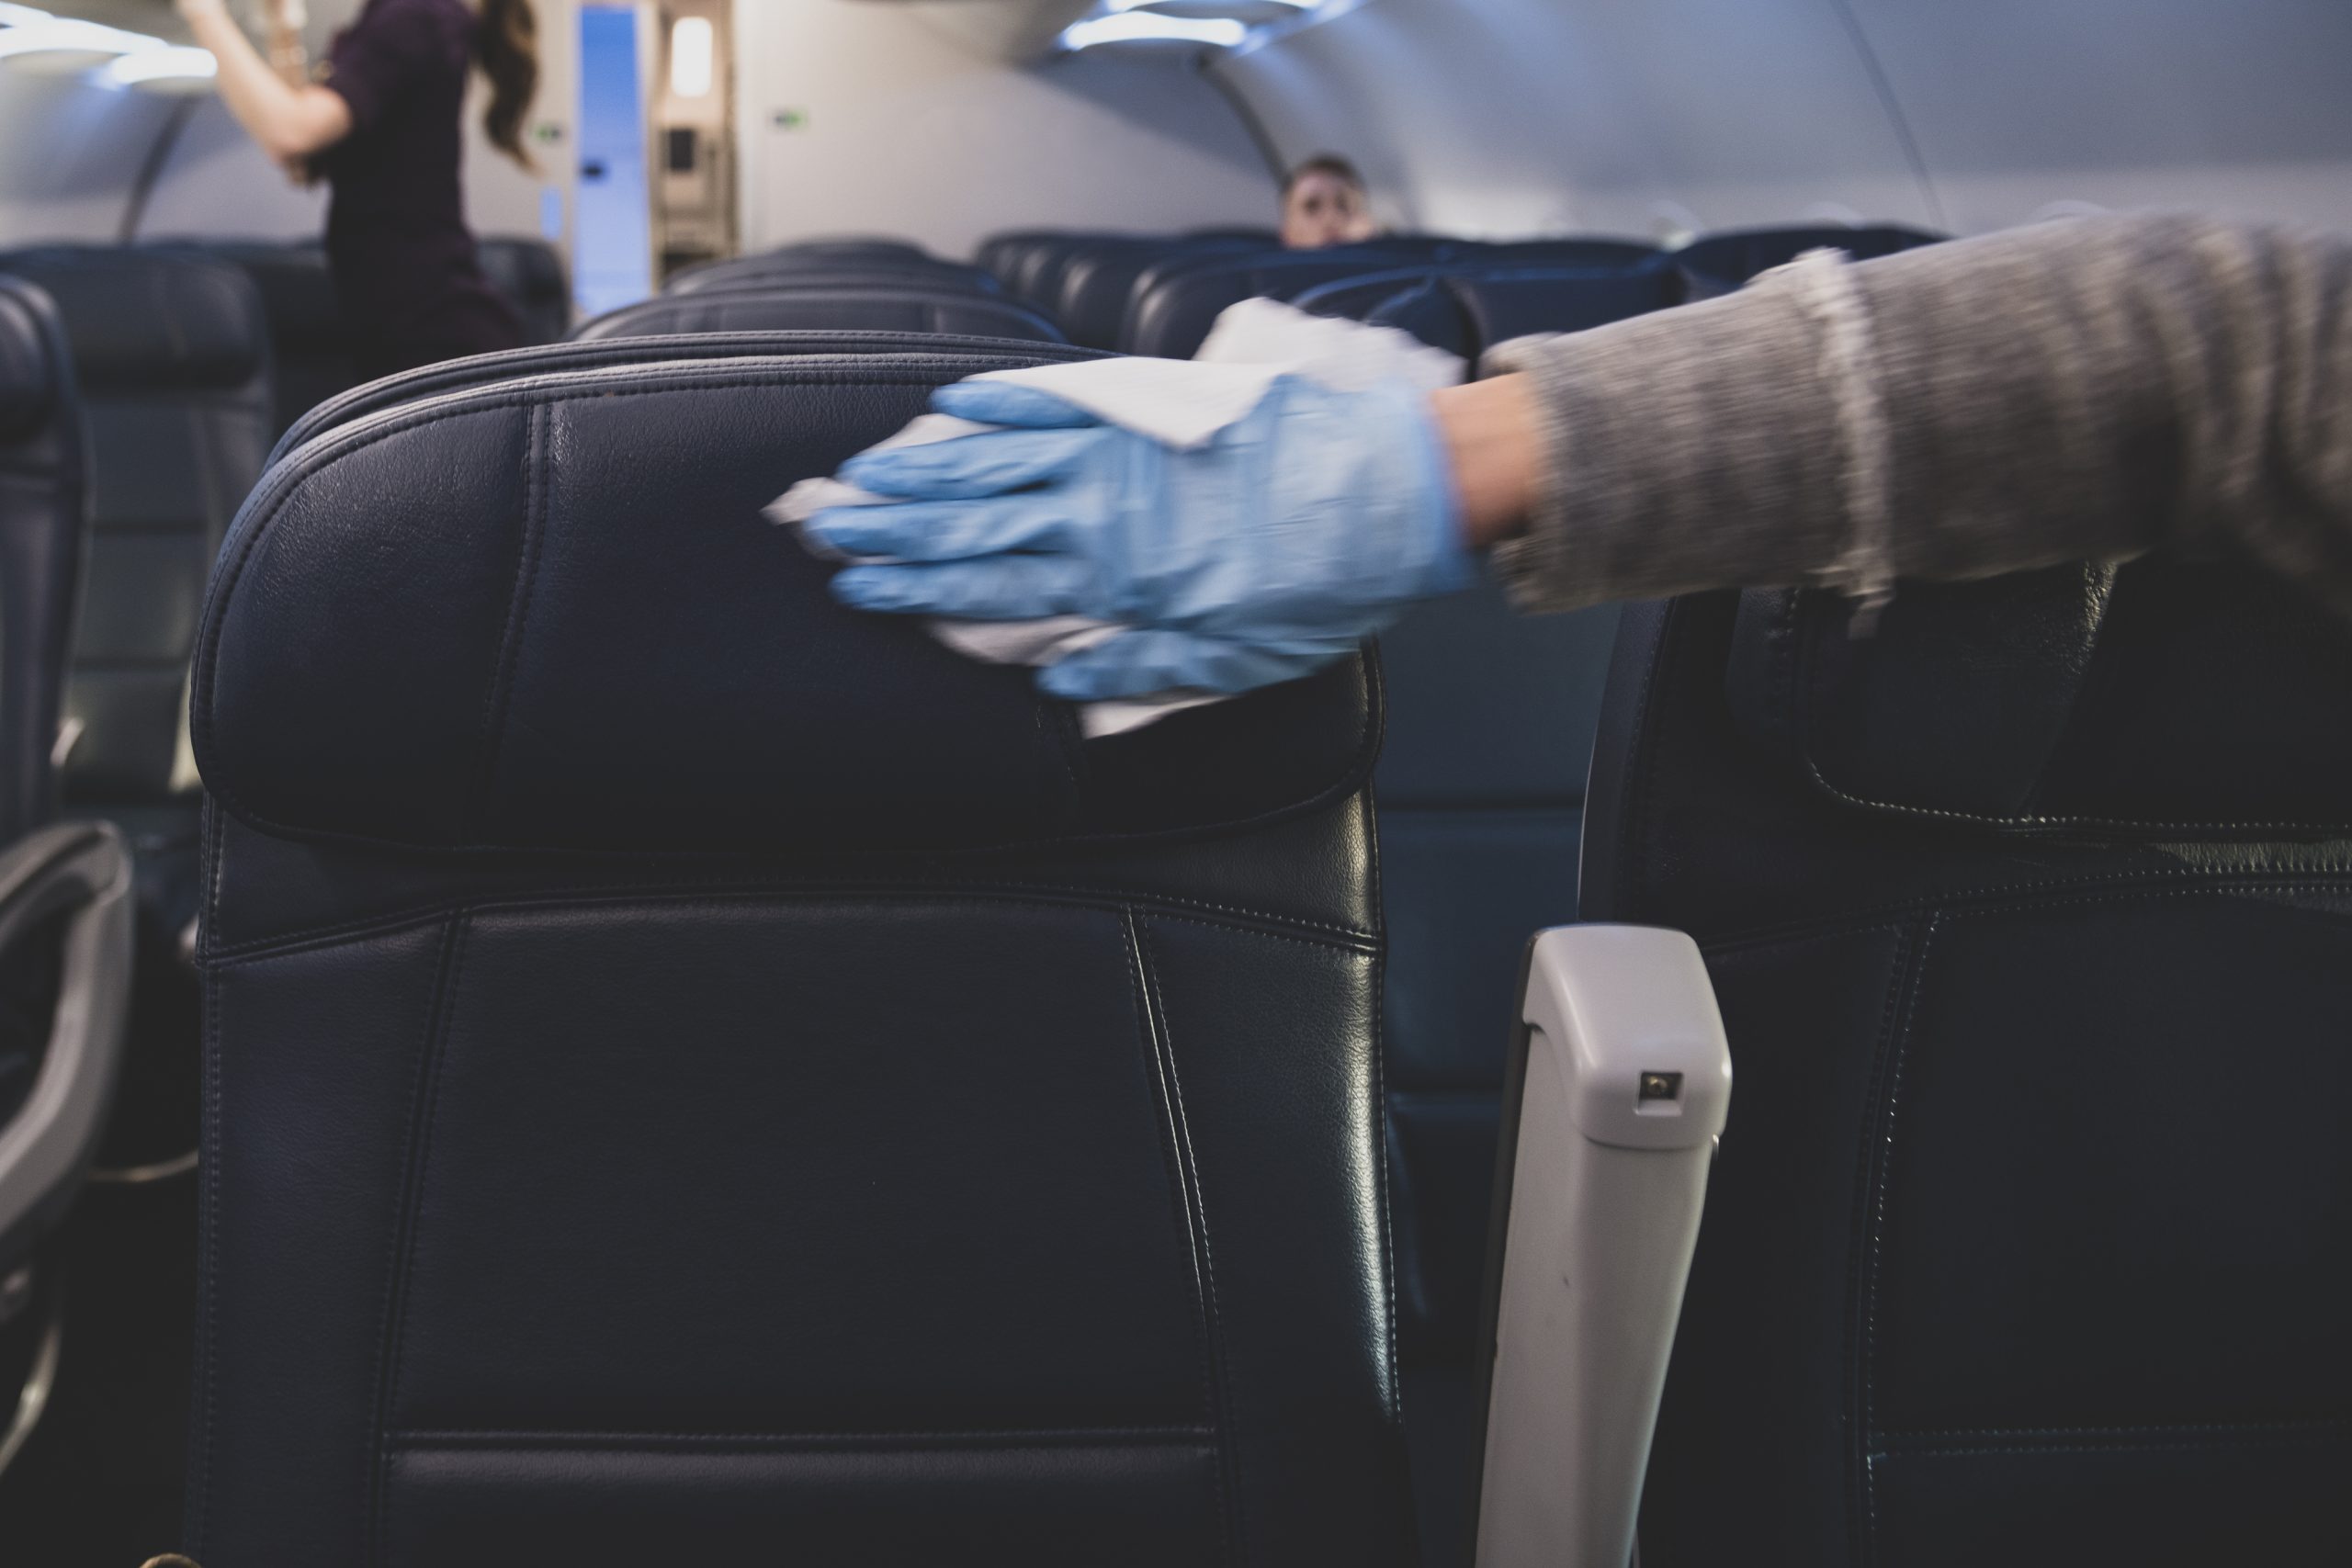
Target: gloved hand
(1258, 556)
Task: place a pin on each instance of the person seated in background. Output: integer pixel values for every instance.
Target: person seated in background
(1325, 203)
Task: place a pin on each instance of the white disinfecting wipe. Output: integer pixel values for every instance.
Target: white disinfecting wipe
(1178, 403)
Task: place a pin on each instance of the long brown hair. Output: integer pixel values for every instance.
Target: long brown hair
(507, 46)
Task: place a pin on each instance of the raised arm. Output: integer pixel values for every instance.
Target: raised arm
(289, 122)
(2090, 389)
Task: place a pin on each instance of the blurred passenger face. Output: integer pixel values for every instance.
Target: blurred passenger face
(1323, 208)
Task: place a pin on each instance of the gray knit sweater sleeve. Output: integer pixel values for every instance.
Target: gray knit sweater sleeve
(2090, 389)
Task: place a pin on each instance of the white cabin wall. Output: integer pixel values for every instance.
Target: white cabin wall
(1639, 117)
(2234, 107)
(1649, 116)
(907, 130)
(70, 152)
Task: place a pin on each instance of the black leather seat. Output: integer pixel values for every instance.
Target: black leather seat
(785, 308)
(1177, 301)
(309, 349)
(1713, 265)
(704, 1074)
(1599, 253)
(530, 274)
(1029, 264)
(173, 353)
(876, 271)
(42, 496)
(485, 369)
(2029, 917)
(863, 247)
(919, 279)
(1093, 282)
(1466, 308)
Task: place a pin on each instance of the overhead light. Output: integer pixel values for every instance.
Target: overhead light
(61, 45)
(693, 46)
(1142, 27)
(1244, 5)
(168, 70)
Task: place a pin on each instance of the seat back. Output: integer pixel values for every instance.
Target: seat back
(862, 247)
(1713, 265)
(309, 349)
(529, 273)
(1096, 280)
(867, 271)
(486, 369)
(2029, 914)
(1175, 302)
(784, 1092)
(786, 307)
(1599, 253)
(1466, 308)
(172, 355)
(42, 493)
(1030, 266)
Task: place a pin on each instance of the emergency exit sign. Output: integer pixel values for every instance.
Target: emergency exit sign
(789, 120)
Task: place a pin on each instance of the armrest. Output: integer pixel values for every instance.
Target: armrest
(83, 871)
(1619, 1081)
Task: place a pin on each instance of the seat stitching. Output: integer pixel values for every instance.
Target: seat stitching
(2038, 1449)
(423, 1095)
(308, 939)
(1174, 1155)
(2318, 1426)
(2013, 897)
(208, 1271)
(518, 608)
(1393, 1399)
(1879, 1131)
(521, 1439)
(1230, 1467)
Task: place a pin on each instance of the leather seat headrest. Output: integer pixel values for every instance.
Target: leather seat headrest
(146, 320)
(29, 368)
(548, 615)
(2161, 699)
(790, 308)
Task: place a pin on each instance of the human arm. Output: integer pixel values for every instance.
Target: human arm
(2093, 389)
(289, 122)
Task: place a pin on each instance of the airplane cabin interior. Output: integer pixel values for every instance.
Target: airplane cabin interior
(531, 1031)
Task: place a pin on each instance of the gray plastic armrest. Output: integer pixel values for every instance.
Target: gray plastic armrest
(83, 868)
(1618, 1091)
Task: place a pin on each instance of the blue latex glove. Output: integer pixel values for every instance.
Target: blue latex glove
(1293, 533)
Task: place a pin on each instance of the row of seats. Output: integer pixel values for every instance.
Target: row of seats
(144, 387)
(890, 991)
(1159, 295)
(821, 286)
(1492, 714)
(1000, 1107)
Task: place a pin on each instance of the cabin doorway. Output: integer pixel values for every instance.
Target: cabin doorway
(612, 238)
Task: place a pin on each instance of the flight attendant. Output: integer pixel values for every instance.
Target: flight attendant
(383, 126)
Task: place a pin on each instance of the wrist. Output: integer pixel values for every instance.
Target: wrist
(1492, 439)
